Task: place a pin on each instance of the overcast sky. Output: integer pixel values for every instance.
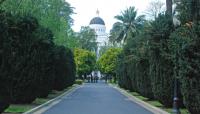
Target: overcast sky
(86, 9)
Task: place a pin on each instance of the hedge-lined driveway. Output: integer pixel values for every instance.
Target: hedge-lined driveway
(96, 99)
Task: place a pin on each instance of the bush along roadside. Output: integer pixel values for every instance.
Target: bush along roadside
(153, 102)
(30, 61)
(34, 106)
(151, 60)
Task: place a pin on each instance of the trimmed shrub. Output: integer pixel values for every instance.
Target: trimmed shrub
(27, 65)
(124, 79)
(185, 45)
(161, 66)
(71, 67)
(16, 63)
(29, 61)
(65, 68)
(137, 65)
(4, 98)
(43, 61)
(78, 81)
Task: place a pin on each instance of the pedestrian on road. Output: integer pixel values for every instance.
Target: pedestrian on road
(92, 79)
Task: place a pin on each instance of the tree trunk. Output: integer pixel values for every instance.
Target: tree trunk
(195, 10)
(169, 7)
(115, 78)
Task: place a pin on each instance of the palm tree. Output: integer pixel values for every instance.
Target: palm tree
(116, 33)
(128, 25)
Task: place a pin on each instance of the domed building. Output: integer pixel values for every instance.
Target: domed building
(98, 25)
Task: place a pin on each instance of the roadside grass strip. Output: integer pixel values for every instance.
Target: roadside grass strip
(152, 102)
(21, 108)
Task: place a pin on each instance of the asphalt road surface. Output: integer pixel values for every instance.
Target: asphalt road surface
(97, 98)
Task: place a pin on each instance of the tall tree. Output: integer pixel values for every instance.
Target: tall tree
(115, 32)
(53, 14)
(85, 61)
(128, 25)
(87, 39)
(169, 7)
(108, 61)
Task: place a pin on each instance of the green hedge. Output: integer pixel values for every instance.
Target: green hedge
(78, 81)
(30, 63)
(186, 57)
(17, 63)
(123, 78)
(161, 67)
(148, 67)
(43, 62)
(4, 99)
(65, 68)
(152, 65)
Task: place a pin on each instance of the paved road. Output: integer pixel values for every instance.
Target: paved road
(96, 99)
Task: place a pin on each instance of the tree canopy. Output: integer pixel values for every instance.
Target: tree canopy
(108, 61)
(32, 60)
(128, 25)
(85, 61)
(87, 39)
(153, 60)
(52, 14)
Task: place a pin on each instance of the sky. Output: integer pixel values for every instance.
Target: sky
(86, 9)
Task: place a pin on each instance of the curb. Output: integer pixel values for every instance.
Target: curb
(145, 105)
(43, 107)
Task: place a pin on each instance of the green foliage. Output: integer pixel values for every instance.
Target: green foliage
(18, 48)
(30, 60)
(185, 54)
(188, 10)
(152, 59)
(65, 68)
(78, 81)
(73, 40)
(108, 61)
(85, 61)
(161, 66)
(43, 60)
(133, 64)
(124, 79)
(87, 39)
(128, 26)
(4, 103)
(185, 11)
(52, 14)
(143, 57)
(18, 108)
(136, 63)
(146, 57)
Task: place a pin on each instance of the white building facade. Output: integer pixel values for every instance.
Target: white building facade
(98, 25)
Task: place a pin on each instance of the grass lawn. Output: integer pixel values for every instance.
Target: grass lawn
(156, 103)
(21, 108)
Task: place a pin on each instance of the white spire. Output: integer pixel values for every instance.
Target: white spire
(97, 12)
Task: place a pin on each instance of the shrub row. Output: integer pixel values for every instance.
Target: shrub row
(31, 65)
(152, 60)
